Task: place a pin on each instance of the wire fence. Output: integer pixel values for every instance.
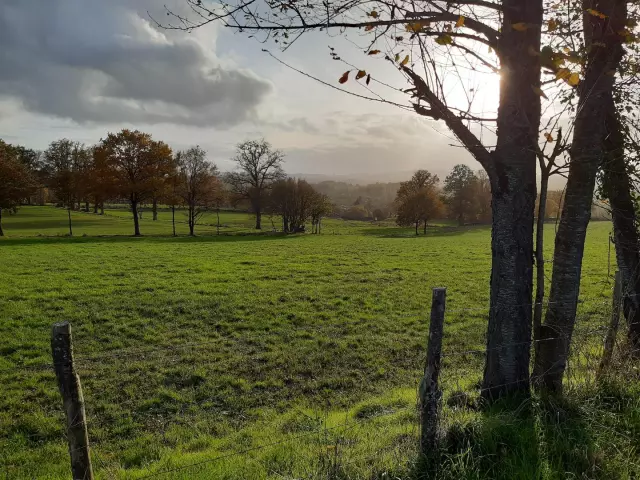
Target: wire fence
(460, 385)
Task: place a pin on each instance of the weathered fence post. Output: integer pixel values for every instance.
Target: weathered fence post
(430, 395)
(73, 402)
(612, 331)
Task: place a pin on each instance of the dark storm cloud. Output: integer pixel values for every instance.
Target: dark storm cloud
(102, 61)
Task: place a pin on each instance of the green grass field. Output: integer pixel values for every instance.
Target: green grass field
(301, 352)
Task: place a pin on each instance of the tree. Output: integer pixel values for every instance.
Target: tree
(198, 184)
(16, 181)
(259, 167)
(321, 207)
(292, 199)
(412, 33)
(417, 200)
(460, 189)
(67, 162)
(603, 22)
(482, 197)
(137, 163)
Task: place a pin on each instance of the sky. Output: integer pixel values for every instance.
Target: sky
(79, 69)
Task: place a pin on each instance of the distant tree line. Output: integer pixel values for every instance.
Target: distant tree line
(131, 167)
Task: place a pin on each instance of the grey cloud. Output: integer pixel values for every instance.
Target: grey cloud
(97, 61)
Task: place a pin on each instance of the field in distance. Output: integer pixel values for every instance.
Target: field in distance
(269, 356)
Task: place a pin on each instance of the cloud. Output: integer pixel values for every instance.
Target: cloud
(97, 61)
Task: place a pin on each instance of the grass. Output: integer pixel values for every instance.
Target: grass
(190, 349)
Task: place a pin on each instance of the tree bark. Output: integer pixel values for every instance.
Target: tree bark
(173, 219)
(617, 188)
(192, 221)
(1, 230)
(542, 212)
(425, 227)
(101, 208)
(69, 215)
(136, 219)
(258, 219)
(512, 174)
(595, 96)
(417, 223)
(155, 209)
(218, 224)
(95, 207)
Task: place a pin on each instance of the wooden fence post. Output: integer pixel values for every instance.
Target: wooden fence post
(612, 331)
(430, 395)
(73, 402)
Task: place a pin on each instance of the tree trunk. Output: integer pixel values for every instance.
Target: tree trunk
(617, 188)
(417, 223)
(1, 231)
(173, 219)
(155, 209)
(595, 96)
(86, 206)
(258, 219)
(101, 208)
(95, 207)
(191, 220)
(69, 215)
(542, 211)
(218, 224)
(136, 219)
(512, 173)
(425, 227)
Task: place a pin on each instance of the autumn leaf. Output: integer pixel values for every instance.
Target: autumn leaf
(563, 74)
(444, 40)
(520, 27)
(574, 79)
(368, 79)
(548, 136)
(373, 52)
(405, 60)
(374, 14)
(344, 77)
(539, 91)
(596, 13)
(397, 57)
(552, 25)
(361, 74)
(417, 26)
(368, 28)
(460, 22)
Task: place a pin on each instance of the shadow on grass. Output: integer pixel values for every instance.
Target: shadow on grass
(432, 231)
(531, 439)
(238, 237)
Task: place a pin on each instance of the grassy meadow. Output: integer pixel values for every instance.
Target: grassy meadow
(271, 357)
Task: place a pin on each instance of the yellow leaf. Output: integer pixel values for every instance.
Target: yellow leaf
(539, 91)
(405, 60)
(520, 27)
(548, 136)
(344, 77)
(444, 40)
(552, 25)
(563, 74)
(361, 74)
(397, 57)
(574, 79)
(596, 13)
(374, 14)
(373, 52)
(460, 22)
(368, 28)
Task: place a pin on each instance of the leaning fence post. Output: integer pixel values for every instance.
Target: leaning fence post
(73, 402)
(430, 395)
(612, 331)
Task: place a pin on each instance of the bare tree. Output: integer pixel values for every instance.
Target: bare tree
(259, 166)
(198, 186)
